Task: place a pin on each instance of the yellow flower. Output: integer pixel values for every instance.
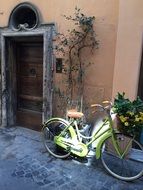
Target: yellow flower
(137, 119)
(141, 113)
(130, 113)
(122, 118)
(141, 119)
(126, 123)
(141, 116)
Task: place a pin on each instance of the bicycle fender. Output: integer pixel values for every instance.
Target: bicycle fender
(99, 145)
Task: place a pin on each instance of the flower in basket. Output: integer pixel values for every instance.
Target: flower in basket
(130, 114)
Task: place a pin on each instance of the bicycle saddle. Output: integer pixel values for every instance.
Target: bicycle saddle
(74, 114)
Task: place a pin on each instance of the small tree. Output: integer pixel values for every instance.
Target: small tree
(72, 47)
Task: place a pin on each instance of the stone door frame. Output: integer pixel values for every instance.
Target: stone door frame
(7, 113)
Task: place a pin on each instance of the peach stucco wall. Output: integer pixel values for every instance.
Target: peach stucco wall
(100, 74)
(128, 48)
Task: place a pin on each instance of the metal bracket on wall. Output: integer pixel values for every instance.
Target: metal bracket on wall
(59, 65)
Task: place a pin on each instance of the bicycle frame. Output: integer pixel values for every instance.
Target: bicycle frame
(81, 149)
(107, 143)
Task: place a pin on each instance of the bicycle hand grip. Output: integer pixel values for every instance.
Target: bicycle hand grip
(97, 105)
(107, 102)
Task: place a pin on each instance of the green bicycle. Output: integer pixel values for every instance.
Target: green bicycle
(122, 156)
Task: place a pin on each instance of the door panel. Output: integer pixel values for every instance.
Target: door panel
(29, 84)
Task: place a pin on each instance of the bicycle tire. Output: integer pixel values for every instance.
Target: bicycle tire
(51, 128)
(128, 168)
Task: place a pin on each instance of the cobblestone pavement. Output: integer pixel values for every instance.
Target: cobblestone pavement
(24, 164)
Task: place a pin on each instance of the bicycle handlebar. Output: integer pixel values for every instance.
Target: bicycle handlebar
(105, 108)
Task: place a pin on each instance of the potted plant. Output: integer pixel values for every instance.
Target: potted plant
(129, 114)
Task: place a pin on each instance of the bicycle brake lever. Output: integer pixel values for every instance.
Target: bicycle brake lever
(97, 105)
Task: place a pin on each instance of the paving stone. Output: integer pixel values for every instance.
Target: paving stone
(20, 173)
(47, 181)
(29, 175)
(52, 186)
(41, 171)
(40, 183)
(60, 181)
(65, 187)
(35, 173)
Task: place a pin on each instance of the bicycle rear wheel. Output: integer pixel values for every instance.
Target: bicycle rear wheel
(51, 129)
(130, 166)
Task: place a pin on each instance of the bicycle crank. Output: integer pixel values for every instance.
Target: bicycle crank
(79, 149)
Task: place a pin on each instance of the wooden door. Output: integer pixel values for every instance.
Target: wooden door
(29, 84)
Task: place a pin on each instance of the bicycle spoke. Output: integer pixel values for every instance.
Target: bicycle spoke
(126, 167)
(54, 128)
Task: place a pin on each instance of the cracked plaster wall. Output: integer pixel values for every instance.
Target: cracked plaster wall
(100, 74)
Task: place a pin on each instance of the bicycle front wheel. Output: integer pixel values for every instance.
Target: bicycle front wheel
(128, 165)
(51, 129)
